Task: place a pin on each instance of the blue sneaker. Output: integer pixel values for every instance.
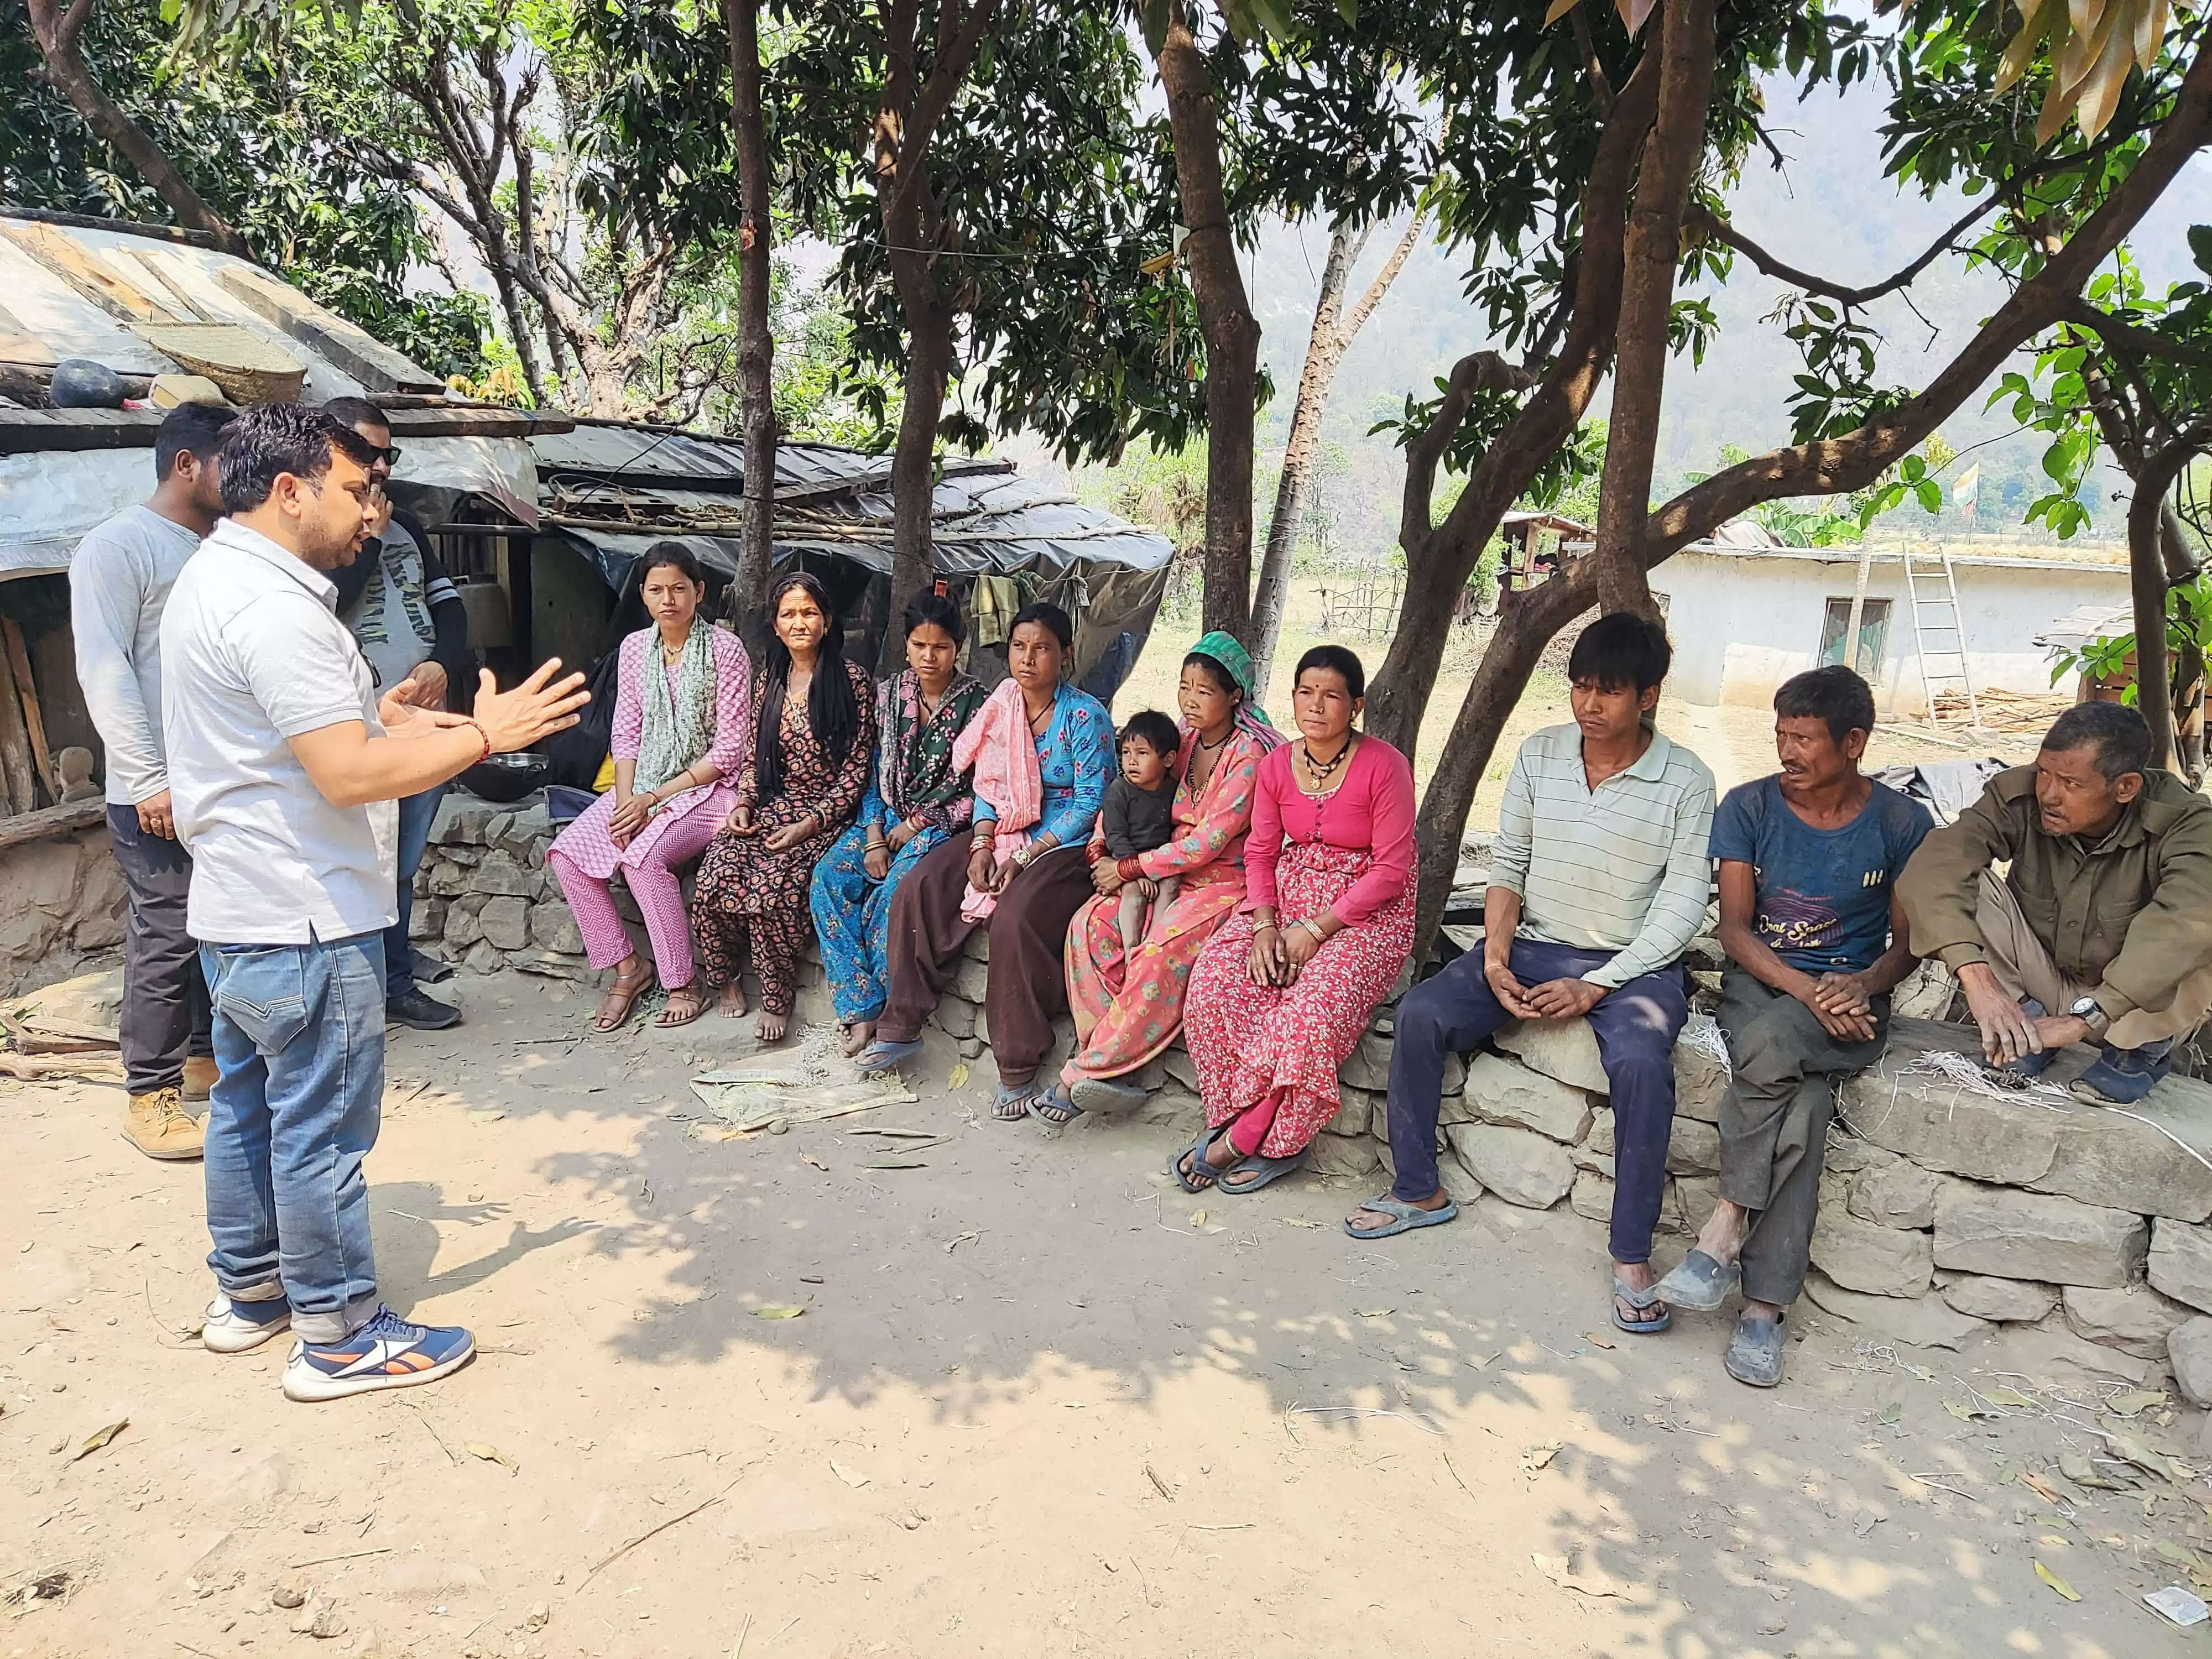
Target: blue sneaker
(387, 1353)
(231, 1326)
(2120, 1077)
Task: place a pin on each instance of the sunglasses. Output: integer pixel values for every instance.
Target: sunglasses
(389, 455)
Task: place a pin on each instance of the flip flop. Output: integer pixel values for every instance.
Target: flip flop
(1407, 1216)
(1269, 1170)
(1106, 1094)
(1012, 1104)
(881, 1056)
(1700, 1282)
(1194, 1154)
(1055, 1099)
(1639, 1300)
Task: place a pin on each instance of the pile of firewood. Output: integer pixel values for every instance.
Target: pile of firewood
(35, 1045)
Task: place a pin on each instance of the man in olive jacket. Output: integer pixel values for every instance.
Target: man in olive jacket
(2103, 927)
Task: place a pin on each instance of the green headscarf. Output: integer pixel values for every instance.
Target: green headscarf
(1226, 649)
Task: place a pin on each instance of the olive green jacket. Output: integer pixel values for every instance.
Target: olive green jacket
(2131, 916)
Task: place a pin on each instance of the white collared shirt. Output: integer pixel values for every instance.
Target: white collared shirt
(253, 655)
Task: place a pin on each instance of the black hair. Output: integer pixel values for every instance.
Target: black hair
(1217, 673)
(194, 429)
(1339, 662)
(927, 610)
(356, 411)
(2120, 735)
(831, 708)
(1045, 613)
(1623, 651)
(1834, 695)
(1154, 727)
(674, 554)
(269, 439)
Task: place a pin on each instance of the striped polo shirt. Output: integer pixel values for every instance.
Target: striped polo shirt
(1623, 867)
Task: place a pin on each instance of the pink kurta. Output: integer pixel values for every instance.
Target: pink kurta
(1276, 1050)
(585, 844)
(1128, 1010)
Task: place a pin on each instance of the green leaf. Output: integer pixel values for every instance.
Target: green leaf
(1349, 10)
(1929, 494)
(1153, 17)
(2200, 246)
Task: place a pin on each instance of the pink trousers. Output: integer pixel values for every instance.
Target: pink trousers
(653, 885)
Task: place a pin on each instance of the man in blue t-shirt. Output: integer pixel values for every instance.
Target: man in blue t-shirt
(1808, 860)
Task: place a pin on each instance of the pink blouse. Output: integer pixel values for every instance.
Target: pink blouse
(1370, 809)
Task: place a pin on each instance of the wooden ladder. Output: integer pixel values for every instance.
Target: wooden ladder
(1937, 615)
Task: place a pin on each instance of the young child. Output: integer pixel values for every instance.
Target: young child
(1139, 814)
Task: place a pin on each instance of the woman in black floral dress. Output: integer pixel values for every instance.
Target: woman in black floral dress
(815, 734)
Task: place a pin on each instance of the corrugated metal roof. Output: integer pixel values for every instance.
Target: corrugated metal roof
(74, 289)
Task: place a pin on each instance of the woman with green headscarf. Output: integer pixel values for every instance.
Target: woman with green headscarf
(1128, 1005)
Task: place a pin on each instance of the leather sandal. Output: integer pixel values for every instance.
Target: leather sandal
(621, 997)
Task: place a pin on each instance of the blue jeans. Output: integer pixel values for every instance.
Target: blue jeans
(298, 1044)
(1635, 1025)
(416, 814)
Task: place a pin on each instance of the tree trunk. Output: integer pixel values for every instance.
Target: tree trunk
(756, 339)
(1333, 332)
(914, 466)
(1225, 316)
(1527, 618)
(59, 36)
(1655, 230)
(2147, 584)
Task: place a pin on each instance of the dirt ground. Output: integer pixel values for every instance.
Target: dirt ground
(1038, 1402)
(1737, 742)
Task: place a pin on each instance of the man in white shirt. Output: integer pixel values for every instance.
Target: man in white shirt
(1598, 882)
(283, 769)
(119, 582)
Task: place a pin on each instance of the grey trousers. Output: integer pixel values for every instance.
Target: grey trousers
(165, 1000)
(1774, 1123)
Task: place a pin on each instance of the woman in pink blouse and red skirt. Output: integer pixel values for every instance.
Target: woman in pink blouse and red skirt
(1281, 995)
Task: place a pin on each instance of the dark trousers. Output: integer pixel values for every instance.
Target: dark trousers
(1028, 932)
(165, 1000)
(1774, 1123)
(1635, 1026)
(416, 814)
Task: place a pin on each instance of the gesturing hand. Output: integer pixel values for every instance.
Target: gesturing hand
(533, 711)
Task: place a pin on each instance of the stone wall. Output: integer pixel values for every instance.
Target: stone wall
(62, 904)
(1943, 1212)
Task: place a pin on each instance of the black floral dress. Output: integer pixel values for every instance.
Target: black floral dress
(743, 887)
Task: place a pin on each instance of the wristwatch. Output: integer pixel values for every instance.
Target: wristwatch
(2091, 1014)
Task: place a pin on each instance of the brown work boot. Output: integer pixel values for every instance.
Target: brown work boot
(157, 1125)
(199, 1077)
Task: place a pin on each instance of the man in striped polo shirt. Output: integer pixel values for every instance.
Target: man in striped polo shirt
(1598, 882)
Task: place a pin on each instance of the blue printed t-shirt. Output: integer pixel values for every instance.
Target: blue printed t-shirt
(1822, 896)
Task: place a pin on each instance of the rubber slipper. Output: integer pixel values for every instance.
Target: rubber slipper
(1639, 1300)
(1106, 1094)
(1406, 1217)
(886, 1056)
(1268, 1169)
(1700, 1282)
(1012, 1104)
(1193, 1154)
(1054, 1100)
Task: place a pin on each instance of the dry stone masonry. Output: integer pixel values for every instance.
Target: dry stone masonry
(1944, 1211)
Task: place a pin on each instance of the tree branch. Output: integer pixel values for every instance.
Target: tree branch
(1704, 220)
(2149, 343)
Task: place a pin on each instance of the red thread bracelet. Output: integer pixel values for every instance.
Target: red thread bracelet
(470, 720)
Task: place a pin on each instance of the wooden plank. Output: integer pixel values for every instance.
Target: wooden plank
(375, 365)
(121, 227)
(27, 687)
(19, 345)
(22, 786)
(164, 288)
(33, 431)
(90, 276)
(51, 821)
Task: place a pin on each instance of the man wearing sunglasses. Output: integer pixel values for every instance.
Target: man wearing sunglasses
(407, 616)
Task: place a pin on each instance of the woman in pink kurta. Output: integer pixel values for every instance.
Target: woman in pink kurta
(672, 761)
(1280, 996)
(1128, 1007)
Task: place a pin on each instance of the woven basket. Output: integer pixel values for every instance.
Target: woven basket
(249, 368)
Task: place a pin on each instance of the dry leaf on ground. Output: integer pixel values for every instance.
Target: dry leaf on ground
(491, 1454)
(2057, 1582)
(100, 1437)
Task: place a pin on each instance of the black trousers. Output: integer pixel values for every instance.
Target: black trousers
(165, 1000)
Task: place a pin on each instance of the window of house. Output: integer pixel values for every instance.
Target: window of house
(1873, 633)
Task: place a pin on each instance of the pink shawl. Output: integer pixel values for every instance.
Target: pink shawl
(997, 744)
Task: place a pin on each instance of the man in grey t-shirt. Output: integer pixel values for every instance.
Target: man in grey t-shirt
(119, 582)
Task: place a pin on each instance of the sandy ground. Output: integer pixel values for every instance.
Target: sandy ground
(1039, 1402)
(1737, 742)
